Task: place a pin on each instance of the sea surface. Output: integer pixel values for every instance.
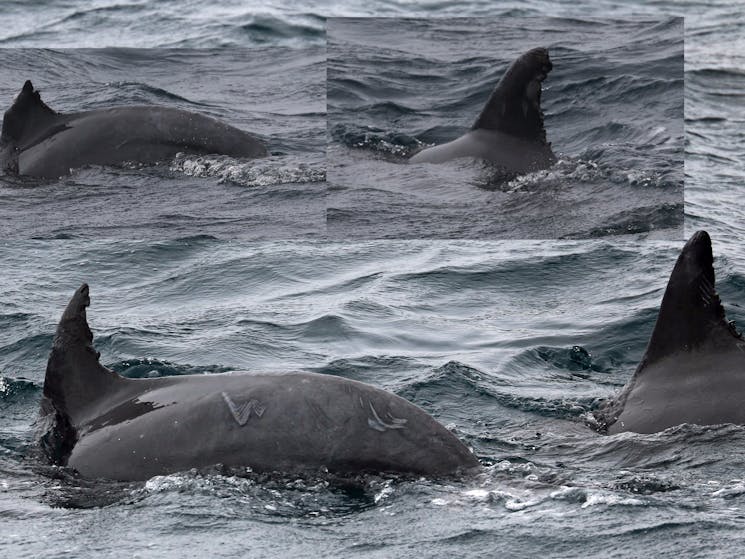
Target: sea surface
(613, 107)
(508, 342)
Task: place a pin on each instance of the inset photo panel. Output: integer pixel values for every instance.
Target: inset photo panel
(163, 143)
(509, 128)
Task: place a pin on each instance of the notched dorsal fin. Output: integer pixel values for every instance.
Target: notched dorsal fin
(74, 378)
(27, 112)
(515, 104)
(29, 97)
(691, 313)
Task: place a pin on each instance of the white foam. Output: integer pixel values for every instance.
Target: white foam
(611, 499)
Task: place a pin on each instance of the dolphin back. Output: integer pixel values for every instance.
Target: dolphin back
(38, 141)
(106, 426)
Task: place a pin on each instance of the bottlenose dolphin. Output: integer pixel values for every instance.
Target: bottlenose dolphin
(694, 368)
(107, 426)
(40, 142)
(509, 131)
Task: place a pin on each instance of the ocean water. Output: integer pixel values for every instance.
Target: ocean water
(613, 107)
(508, 342)
(279, 98)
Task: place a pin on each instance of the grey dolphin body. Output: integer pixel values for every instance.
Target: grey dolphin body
(509, 131)
(40, 142)
(107, 426)
(694, 368)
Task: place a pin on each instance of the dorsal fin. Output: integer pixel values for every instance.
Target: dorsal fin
(27, 113)
(691, 313)
(74, 378)
(515, 104)
(29, 97)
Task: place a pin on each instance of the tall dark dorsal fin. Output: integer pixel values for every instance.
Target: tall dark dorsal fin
(74, 378)
(515, 104)
(691, 313)
(26, 114)
(29, 97)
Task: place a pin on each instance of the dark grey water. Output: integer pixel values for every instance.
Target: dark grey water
(507, 342)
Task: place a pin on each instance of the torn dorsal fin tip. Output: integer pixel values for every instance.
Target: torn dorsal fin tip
(514, 106)
(30, 98)
(82, 296)
(74, 316)
(28, 93)
(691, 313)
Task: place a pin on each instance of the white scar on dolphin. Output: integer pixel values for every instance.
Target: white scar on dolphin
(509, 132)
(103, 425)
(693, 370)
(41, 142)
